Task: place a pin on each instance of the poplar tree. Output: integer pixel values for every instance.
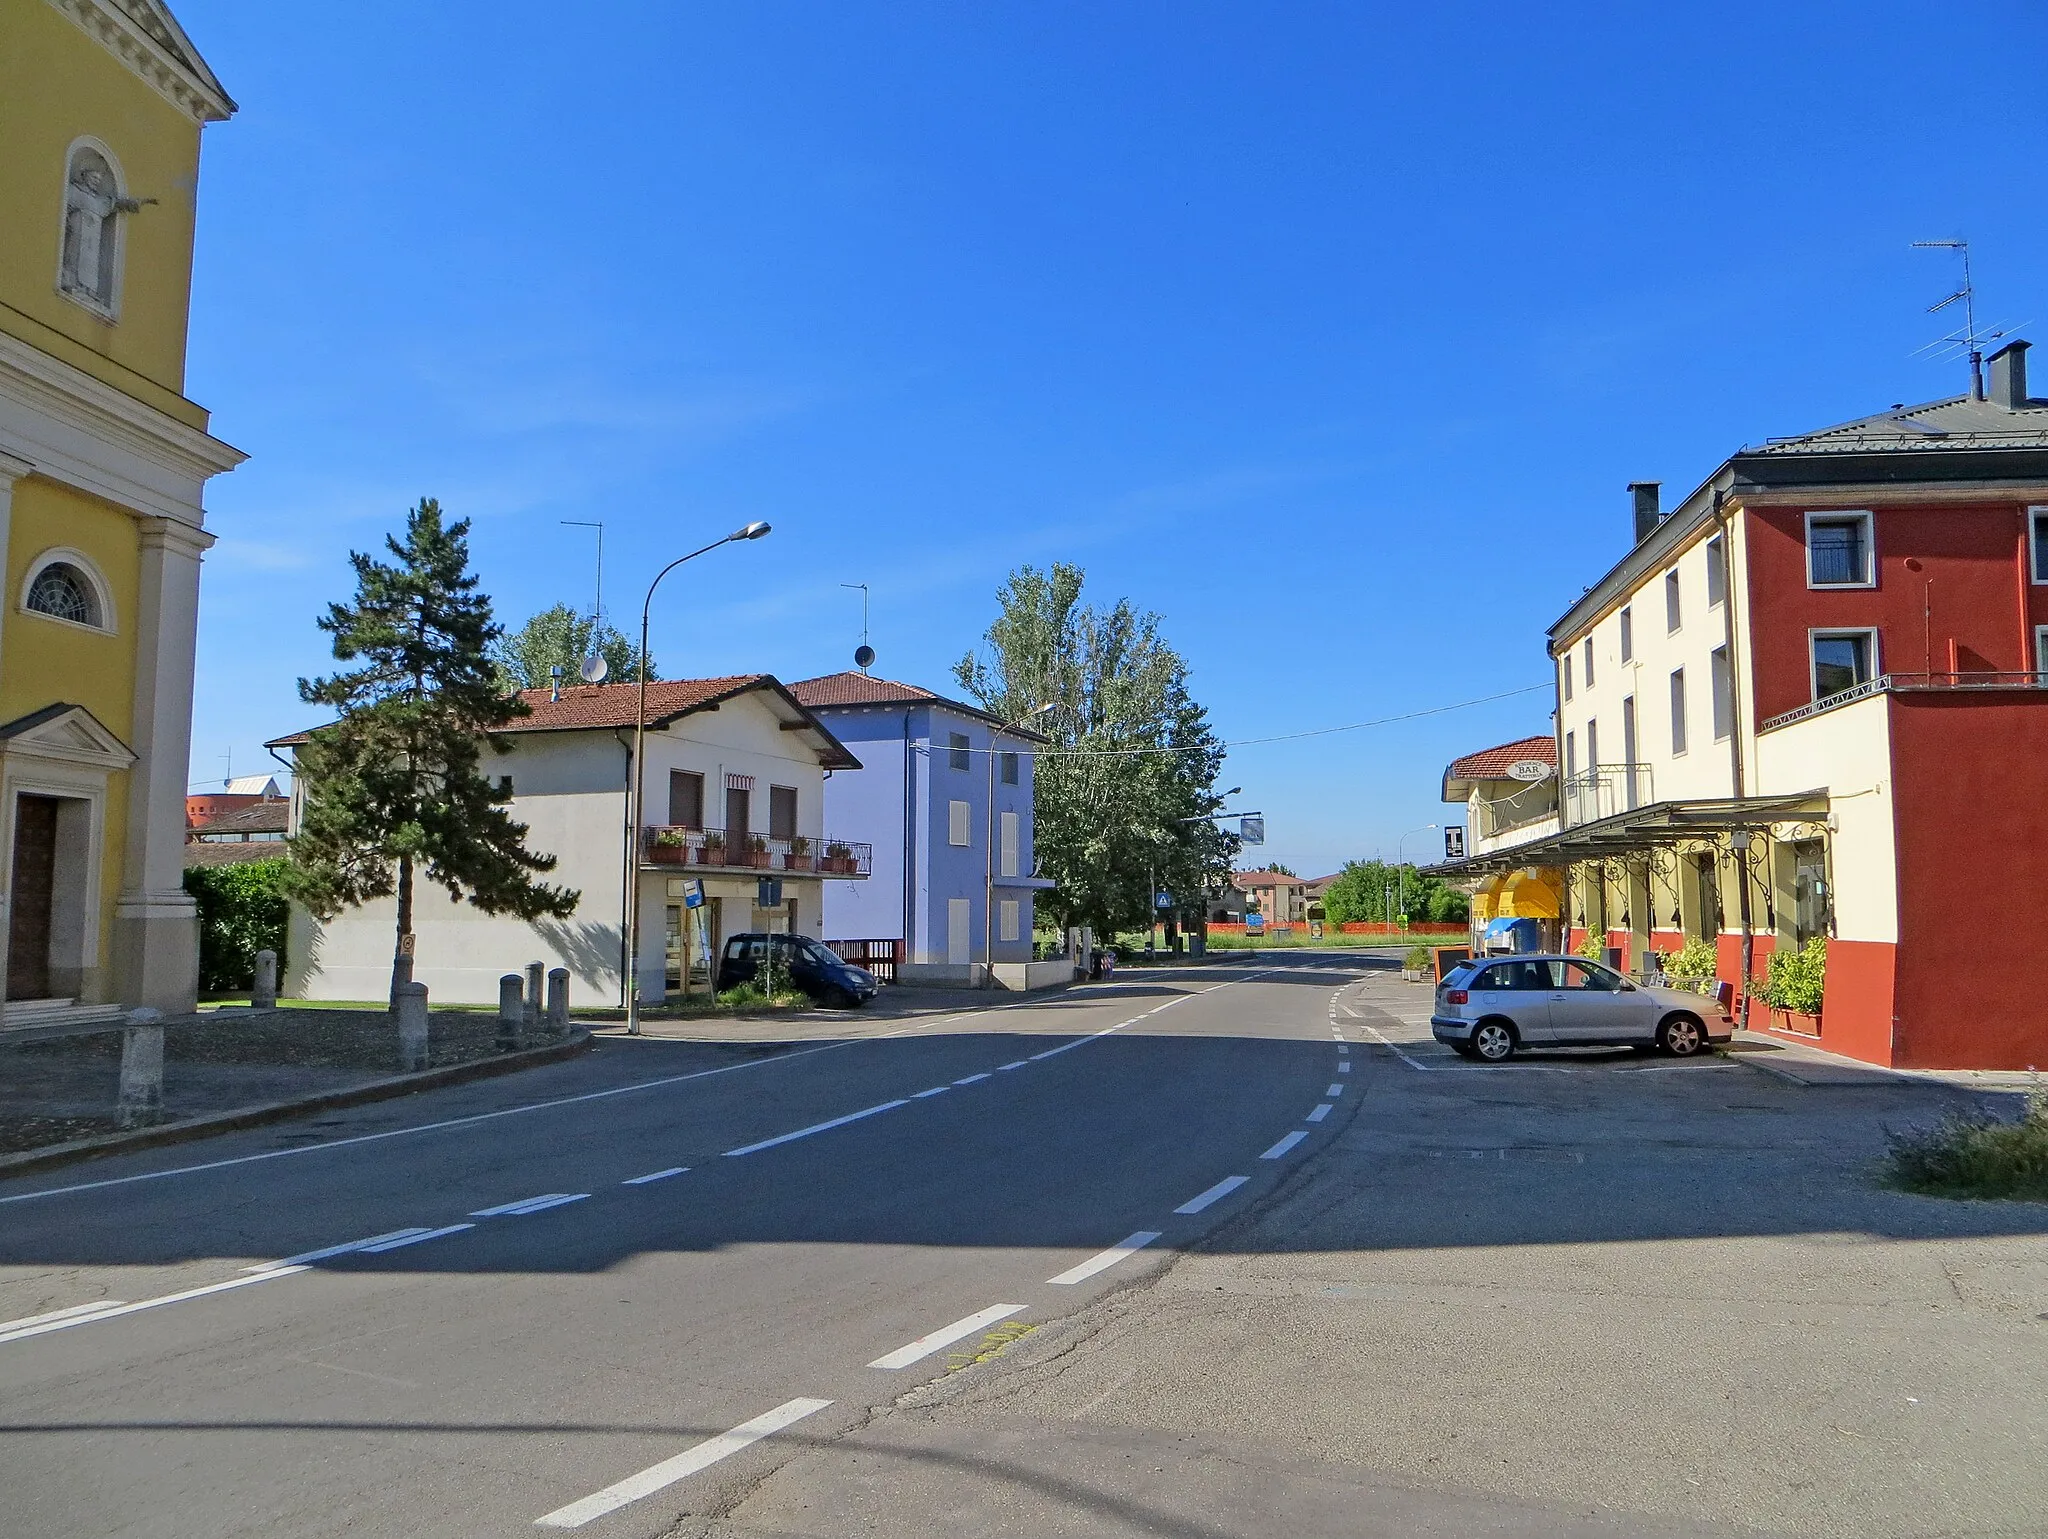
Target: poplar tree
(396, 786)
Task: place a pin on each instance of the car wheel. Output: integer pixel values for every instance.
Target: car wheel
(1682, 1036)
(1494, 1041)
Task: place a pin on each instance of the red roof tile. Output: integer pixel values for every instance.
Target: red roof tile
(851, 688)
(1492, 763)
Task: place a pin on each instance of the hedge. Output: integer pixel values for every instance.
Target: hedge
(242, 910)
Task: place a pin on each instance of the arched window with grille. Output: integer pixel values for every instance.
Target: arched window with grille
(63, 586)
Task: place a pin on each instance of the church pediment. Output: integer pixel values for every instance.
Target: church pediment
(68, 733)
(145, 36)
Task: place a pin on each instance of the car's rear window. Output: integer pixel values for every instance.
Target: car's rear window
(1459, 976)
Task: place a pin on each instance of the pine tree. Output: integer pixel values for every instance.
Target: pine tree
(396, 785)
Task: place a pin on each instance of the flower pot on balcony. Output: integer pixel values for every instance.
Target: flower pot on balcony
(794, 862)
(667, 854)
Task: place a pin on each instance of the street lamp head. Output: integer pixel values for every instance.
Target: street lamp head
(752, 531)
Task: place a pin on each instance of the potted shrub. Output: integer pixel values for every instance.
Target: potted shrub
(714, 847)
(1794, 987)
(838, 857)
(757, 851)
(669, 847)
(1418, 964)
(799, 856)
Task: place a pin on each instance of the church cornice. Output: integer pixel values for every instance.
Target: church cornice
(143, 36)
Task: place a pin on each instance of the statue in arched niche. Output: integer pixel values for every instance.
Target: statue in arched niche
(92, 207)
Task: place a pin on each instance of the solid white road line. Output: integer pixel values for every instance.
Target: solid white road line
(414, 1239)
(817, 1127)
(451, 1122)
(75, 1312)
(1319, 1113)
(322, 1254)
(1215, 1193)
(1284, 1145)
(269, 1274)
(655, 1175)
(657, 1477)
(1104, 1260)
(946, 1335)
(529, 1204)
(974, 1079)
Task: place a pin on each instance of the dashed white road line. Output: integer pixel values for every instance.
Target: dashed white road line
(1215, 1193)
(1336, 1089)
(308, 1256)
(974, 1079)
(74, 1312)
(1002, 1067)
(1284, 1145)
(658, 1477)
(1319, 1113)
(1102, 1261)
(817, 1127)
(1344, 1066)
(414, 1239)
(935, 1090)
(527, 1205)
(655, 1175)
(946, 1335)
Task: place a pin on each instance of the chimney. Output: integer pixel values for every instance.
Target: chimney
(1647, 515)
(2009, 376)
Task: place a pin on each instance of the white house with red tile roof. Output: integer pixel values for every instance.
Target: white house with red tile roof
(1509, 792)
(735, 788)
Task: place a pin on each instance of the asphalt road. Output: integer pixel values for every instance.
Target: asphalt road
(1222, 1252)
(706, 1238)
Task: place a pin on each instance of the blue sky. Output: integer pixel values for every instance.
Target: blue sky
(1331, 332)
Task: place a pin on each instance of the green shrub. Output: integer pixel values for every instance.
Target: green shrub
(1695, 959)
(1418, 959)
(749, 996)
(1969, 1154)
(1594, 947)
(1797, 978)
(242, 910)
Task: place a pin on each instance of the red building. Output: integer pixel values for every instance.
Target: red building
(1809, 704)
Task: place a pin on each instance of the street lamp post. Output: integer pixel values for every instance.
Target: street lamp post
(752, 531)
(988, 843)
(1400, 861)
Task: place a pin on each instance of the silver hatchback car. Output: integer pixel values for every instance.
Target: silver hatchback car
(1491, 1007)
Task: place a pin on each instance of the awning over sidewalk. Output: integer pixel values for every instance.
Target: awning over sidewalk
(1657, 826)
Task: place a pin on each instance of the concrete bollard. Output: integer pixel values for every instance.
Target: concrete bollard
(511, 1010)
(534, 1005)
(412, 1026)
(142, 1076)
(263, 996)
(558, 999)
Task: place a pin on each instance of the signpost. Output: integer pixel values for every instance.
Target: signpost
(1531, 770)
(693, 893)
(1251, 830)
(1454, 842)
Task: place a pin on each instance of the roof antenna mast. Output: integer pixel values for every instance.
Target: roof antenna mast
(593, 667)
(863, 655)
(1969, 339)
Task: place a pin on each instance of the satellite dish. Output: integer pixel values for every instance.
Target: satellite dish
(594, 669)
(863, 655)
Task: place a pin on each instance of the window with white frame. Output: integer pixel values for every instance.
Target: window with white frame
(959, 823)
(1838, 551)
(1567, 675)
(1673, 608)
(1571, 755)
(1592, 745)
(2041, 654)
(2037, 542)
(1717, 572)
(1842, 660)
(1006, 919)
(1677, 712)
(63, 585)
(1589, 662)
(957, 754)
(1628, 633)
(1724, 695)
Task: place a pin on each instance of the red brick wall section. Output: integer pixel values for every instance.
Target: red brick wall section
(1966, 552)
(1970, 779)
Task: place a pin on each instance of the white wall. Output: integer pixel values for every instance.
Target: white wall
(570, 789)
(1846, 752)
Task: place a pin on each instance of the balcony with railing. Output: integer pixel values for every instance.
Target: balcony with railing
(712, 850)
(1529, 808)
(1909, 683)
(1605, 792)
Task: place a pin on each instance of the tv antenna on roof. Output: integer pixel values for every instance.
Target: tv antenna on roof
(1969, 339)
(863, 655)
(592, 669)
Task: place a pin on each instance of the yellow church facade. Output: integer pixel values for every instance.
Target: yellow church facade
(103, 467)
